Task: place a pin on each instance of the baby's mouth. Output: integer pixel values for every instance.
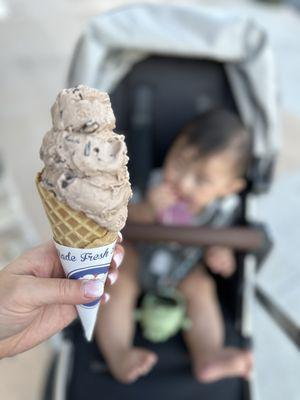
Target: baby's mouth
(184, 200)
(187, 203)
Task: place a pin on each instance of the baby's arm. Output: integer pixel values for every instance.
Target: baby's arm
(220, 260)
(158, 199)
(140, 212)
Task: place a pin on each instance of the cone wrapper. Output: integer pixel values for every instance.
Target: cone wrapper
(88, 263)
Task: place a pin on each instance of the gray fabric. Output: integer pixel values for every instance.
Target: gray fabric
(113, 42)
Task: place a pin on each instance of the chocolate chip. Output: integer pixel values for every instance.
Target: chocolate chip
(58, 159)
(69, 176)
(64, 184)
(96, 149)
(90, 126)
(48, 183)
(87, 149)
(70, 139)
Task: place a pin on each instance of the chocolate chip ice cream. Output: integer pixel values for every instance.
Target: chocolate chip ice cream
(85, 161)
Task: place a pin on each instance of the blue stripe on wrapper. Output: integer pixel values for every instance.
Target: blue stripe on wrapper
(79, 272)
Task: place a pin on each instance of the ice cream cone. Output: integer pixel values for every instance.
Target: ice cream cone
(74, 233)
(84, 186)
(70, 227)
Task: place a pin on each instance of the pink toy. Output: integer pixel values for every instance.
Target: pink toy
(177, 214)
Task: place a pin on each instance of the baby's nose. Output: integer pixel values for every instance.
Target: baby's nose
(186, 185)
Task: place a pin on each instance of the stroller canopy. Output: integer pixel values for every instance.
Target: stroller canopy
(113, 42)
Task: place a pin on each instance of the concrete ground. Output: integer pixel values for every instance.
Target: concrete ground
(37, 39)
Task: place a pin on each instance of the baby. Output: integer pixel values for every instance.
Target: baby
(204, 168)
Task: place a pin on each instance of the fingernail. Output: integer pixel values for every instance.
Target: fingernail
(118, 258)
(93, 288)
(120, 236)
(112, 277)
(105, 297)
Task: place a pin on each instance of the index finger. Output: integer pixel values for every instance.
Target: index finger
(41, 261)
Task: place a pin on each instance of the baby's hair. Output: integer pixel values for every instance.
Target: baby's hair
(216, 131)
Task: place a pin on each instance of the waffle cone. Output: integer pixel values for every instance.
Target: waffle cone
(72, 228)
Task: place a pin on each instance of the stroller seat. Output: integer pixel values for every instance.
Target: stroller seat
(171, 377)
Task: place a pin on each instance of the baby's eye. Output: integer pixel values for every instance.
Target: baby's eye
(178, 164)
(176, 167)
(201, 180)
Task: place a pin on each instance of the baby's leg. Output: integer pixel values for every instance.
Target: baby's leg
(115, 326)
(211, 361)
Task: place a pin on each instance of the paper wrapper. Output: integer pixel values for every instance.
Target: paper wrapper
(88, 263)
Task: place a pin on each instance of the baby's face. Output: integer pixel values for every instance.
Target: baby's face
(199, 181)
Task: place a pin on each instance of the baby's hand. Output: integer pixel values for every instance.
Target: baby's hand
(161, 197)
(220, 260)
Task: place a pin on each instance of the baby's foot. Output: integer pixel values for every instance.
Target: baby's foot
(226, 363)
(132, 363)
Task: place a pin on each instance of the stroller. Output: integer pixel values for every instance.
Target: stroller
(163, 65)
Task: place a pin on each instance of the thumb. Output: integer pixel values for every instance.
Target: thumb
(65, 291)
